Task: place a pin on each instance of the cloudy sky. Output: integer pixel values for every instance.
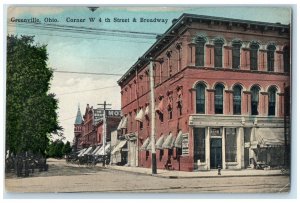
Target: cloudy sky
(88, 52)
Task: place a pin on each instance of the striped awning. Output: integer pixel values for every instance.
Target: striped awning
(96, 149)
(159, 142)
(149, 147)
(147, 111)
(124, 123)
(178, 141)
(160, 107)
(82, 151)
(140, 115)
(101, 150)
(119, 146)
(169, 142)
(145, 144)
(120, 124)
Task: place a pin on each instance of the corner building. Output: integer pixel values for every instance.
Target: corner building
(221, 94)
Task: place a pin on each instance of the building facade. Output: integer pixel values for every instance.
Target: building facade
(89, 130)
(221, 92)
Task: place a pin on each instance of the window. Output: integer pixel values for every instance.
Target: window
(218, 53)
(237, 100)
(170, 113)
(141, 125)
(254, 100)
(272, 101)
(270, 57)
(219, 99)
(200, 98)
(286, 59)
(253, 56)
(200, 51)
(199, 144)
(230, 145)
(236, 46)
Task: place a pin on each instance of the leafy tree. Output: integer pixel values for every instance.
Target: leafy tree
(67, 149)
(56, 149)
(30, 110)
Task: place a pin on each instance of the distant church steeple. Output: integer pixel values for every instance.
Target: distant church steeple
(78, 120)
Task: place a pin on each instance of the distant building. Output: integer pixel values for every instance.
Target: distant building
(221, 88)
(78, 130)
(89, 130)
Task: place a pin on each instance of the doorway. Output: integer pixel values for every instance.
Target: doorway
(215, 152)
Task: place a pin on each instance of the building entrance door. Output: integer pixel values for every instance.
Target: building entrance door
(215, 152)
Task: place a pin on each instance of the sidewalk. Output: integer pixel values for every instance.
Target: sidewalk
(197, 174)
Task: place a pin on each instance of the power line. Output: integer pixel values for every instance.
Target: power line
(88, 73)
(87, 90)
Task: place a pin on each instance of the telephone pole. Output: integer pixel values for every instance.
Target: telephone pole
(104, 129)
(154, 167)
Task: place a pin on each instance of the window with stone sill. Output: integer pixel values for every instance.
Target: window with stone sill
(236, 47)
(200, 42)
(272, 101)
(270, 57)
(218, 53)
(253, 56)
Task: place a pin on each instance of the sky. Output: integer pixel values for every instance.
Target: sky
(82, 52)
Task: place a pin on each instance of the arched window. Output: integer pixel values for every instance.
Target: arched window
(237, 100)
(270, 57)
(272, 101)
(219, 99)
(200, 98)
(254, 100)
(218, 53)
(236, 46)
(253, 56)
(200, 51)
(286, 59)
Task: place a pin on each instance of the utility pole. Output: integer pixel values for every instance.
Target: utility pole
(154, 167)
(152, 109)
(104, 129)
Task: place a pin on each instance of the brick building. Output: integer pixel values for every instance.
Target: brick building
(221, 90)
(89, 130)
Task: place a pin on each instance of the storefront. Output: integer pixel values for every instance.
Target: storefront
(237, 143)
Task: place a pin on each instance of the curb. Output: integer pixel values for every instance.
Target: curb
(186, 177)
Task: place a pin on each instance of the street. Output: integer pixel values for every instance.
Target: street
(63, 177)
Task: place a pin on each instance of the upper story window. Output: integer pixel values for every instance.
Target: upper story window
(237, 100)
(270, 57)
(218, 53)
(254, 100)
(253, 56)
(200, 98)
(219, 99)
(272, 101)
(200, 42)
(236, 47)
(286, 59)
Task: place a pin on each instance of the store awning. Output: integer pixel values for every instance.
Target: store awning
(119, 146)
(140, 116)
(178, 141)
(82, 151)
(120, 124)
(169, 142)
(159, 142)
(149, 147)
(160, 107)
(124, 123)
(145, 144)
(147, 111)
(90, 149)
(101, 150)
(96, 149)
(270, 137)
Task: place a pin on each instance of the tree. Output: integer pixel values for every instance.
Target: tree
(67, 149)
(30, 110)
